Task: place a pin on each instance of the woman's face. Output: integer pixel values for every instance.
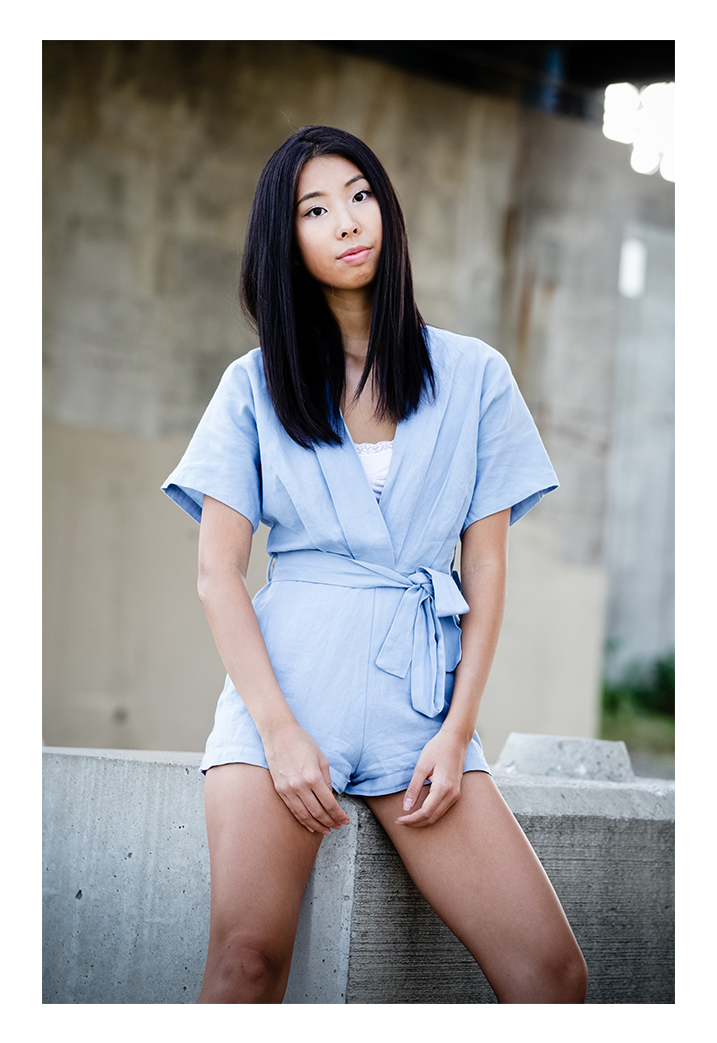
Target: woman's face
(338, 224)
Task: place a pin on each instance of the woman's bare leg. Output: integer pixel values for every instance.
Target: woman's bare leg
(260, 861)
(480, 874)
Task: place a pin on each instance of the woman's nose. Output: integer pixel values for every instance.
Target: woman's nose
(346, 223)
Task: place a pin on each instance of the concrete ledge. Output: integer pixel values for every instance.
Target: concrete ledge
(126, 895)
(561, 757)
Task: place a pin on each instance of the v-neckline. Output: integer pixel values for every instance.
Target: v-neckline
(370, 529)
(391, 467)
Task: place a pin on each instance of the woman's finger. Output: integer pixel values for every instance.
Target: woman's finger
(333, 806)
(439, 800)
(316, 809)
(312, 803)
(303, 815)
(425, 816)
(420, 775)
(325, 796)
(421, 816)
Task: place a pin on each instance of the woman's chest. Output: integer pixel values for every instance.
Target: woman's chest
(360, 417)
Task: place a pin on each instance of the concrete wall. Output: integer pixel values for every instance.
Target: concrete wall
(126, 884)
(640, 540)
(152, 151)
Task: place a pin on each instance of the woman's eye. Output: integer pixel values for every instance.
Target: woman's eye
(364, 193)
(316, 211)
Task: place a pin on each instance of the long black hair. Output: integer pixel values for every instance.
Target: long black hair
(300, 338)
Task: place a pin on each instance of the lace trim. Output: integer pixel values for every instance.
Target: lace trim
(369, 448)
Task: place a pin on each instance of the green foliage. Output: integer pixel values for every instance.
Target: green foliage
(640, 730)
(640, 710)
(648, 690)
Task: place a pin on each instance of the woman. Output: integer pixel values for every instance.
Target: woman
(370, 444)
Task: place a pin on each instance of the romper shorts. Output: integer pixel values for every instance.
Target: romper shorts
(323, 642)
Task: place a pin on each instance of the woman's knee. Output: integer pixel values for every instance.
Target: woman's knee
(241, 971)
(573, 975)
(558, 975)
(564, 975)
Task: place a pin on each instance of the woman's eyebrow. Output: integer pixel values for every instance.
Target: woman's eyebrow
(314, 195)
(310, 195)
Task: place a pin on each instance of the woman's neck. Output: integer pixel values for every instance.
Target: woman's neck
(352, 311)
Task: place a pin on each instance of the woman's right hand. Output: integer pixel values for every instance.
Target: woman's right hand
(301, 777)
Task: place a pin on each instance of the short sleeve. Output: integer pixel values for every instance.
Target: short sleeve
(222, 459)
(513, 468)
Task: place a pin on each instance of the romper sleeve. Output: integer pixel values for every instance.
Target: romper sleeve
(222, 458)
(513, 468)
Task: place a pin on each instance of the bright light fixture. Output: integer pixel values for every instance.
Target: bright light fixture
(644, 119)
(620, 118)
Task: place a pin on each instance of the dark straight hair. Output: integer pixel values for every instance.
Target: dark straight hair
(300, 339)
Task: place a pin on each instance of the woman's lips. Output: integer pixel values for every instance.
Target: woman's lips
(355, 255)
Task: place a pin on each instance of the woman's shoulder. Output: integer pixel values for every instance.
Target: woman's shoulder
(245, 374)
(247, 365)
(453, 349)
(242, 386)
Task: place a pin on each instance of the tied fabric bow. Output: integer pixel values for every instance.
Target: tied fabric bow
(420, 640)
(424, 634)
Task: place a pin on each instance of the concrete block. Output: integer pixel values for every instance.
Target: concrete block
(557, 755)
(608, 848)
(126, 884)
(126, 895)
(125, 877)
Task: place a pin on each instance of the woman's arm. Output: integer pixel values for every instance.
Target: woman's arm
(298, 767)
(484, 551)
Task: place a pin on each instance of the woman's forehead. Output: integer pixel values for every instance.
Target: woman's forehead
(323, 172)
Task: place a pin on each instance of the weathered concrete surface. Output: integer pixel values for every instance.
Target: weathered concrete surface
(126, 896)
(137, 666)
(126, 885)
(640, 535)
(557, 755)
(613, 878)
(125, 878)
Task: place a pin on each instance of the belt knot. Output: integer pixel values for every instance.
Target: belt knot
(425, 636)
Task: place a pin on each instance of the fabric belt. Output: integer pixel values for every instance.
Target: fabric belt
(424, 625)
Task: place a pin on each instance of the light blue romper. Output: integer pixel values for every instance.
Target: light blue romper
(360, 614)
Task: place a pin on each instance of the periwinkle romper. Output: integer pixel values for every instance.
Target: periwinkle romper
(360, 614)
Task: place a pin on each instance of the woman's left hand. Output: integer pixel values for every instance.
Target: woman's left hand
(441, 763)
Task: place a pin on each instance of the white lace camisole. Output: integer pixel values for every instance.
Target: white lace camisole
(376, 460)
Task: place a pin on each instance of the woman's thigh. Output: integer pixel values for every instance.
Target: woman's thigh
(260, 859)
(478, 871)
